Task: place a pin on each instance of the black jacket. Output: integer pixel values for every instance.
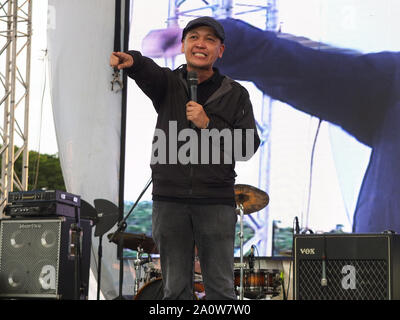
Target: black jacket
(228, 108)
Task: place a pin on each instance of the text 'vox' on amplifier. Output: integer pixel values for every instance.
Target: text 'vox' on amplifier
(38, 258)
(347, 267)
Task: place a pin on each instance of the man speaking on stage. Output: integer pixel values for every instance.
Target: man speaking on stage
(207, 120)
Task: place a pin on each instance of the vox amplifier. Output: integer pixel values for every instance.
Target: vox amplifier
(347, 267)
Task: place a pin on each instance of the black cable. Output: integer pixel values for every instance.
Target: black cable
(291, 260)
(283, 285)
(259, 267)
(258, 256)
(100, 256)
(311, 172)
(290, 270)
(36, 168)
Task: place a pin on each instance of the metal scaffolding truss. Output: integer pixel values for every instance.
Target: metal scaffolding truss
(15, 55)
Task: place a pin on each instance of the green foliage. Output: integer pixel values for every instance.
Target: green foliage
(283, 241)
(140, 222)
(248, 233)
(50, 174)
(140, 219)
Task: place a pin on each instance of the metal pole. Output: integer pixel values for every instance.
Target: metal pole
(17, 25)
(242, 264)
(10, 163)
(25, 155)
(4, 161)
(223, 9)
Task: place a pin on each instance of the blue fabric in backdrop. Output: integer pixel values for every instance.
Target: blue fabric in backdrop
(360, 93)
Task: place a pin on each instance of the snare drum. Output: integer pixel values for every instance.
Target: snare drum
(273, 282)
(258, 283)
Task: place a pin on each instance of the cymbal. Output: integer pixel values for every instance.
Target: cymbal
(107, 214)
(133, 241)
(88, 212)
(104, 215)
(252, 198)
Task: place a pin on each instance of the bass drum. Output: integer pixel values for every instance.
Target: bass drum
(153, 290)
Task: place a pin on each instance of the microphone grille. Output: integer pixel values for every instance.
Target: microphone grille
(192, 78)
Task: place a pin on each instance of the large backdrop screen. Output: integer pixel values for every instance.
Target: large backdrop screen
(310, 170)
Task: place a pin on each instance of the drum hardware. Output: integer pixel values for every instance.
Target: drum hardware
(150, 271)
(149, 286)
(153, 290)
(240, 265)
(133, 241)
(138, 269)
(241, 292)
(248, 200)
(143, 245)
(122, 224)
(104, 216)
(198, 289)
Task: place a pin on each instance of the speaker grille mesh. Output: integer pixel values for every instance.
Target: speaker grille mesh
(371, 279)
(29, 258)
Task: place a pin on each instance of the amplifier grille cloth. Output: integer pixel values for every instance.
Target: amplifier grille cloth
(371, 280)
(25, 257)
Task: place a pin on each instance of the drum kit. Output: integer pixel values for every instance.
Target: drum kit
(249, 282)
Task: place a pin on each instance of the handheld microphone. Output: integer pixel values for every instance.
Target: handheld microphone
(192, 80)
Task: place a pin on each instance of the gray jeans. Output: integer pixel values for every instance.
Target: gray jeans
(177, 228)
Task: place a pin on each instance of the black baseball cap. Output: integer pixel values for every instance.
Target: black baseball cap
(205, 21)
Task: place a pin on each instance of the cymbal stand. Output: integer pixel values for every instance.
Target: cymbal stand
(100, 255)
(242, 265)
(138, 269)
(121, 228)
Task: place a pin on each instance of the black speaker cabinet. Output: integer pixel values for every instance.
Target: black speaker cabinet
(38, 258)
(347, 267)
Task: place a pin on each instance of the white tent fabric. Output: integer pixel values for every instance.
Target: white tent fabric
(87, 113)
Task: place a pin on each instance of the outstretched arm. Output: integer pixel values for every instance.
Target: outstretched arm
(149, 76)
(351, 91)
(121, 60)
